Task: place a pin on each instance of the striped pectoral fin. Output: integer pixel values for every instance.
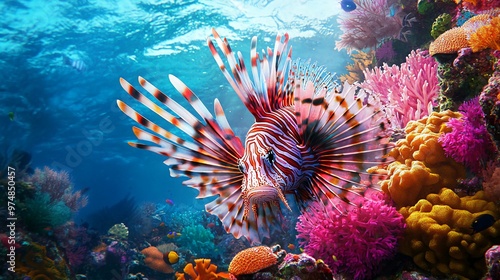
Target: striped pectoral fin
(207, 153)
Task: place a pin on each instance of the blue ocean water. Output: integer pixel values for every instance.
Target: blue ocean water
(60, 64)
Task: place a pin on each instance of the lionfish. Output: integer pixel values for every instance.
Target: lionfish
(309, 140)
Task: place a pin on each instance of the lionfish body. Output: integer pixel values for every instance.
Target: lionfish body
(309, 140)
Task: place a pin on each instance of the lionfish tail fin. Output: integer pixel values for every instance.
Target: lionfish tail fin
(264, 93)
(343, 130)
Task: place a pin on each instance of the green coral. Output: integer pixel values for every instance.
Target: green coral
(199, 240)
(39, 212)
(119, 231)
(424, 6)
(440, 25)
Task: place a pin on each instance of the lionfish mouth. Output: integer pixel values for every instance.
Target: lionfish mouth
(266, 194)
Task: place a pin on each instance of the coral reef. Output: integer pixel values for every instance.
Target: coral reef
(449, 42)
(489, 98)
(492, 257)
(199, 240)
(486, 36)
(360, 241)
(409, 91)
(35, 264)
(255, 259)
(304, 267)
(421, 166)
(439, 236)
(58, 185)
(202, 270)
(464, 77)
(491, 183)
(356, 34)
(440, 25)
(361, 61)
(468, 142)
(41, 212)
(119, 231)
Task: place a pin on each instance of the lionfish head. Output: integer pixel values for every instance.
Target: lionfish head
(271, 165)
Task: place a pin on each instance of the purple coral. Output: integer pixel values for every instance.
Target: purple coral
(469, 142)
(409, 91)
(370, 23)
(356, 243)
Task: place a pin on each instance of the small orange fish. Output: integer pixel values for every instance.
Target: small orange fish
(162, 225)
(169, 202)
(291, 246)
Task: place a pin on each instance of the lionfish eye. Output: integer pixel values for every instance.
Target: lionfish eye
(271, 156)
(241, 167)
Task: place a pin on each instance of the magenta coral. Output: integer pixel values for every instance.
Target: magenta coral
(370, 23)
(469, 142)
(409, 91)
(356, 243)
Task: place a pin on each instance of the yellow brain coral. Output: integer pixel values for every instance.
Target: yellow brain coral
(420, 166)
(449, 42)
(439, 233)
(252, 260)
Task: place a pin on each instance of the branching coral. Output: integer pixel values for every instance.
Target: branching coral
(203, 270)
(360, 241)
(439, 236)
(361, 61)
(199, 240)
(40, 212)
(469, 142)
(358, 34)
(58, 185)
(486, 36)
(420, 165)
(409, 91)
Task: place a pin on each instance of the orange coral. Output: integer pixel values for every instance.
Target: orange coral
(203, 270)
(252, 260)
(361, 61)
(486, 36)
(154, 260)
(420, 166)
(473, 2)
(449, 42)
(35, 264)
(479, 32)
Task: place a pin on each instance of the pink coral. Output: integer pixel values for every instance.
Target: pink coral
(469, 142)
(360, 240)
(409, 91)
(370, 23)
